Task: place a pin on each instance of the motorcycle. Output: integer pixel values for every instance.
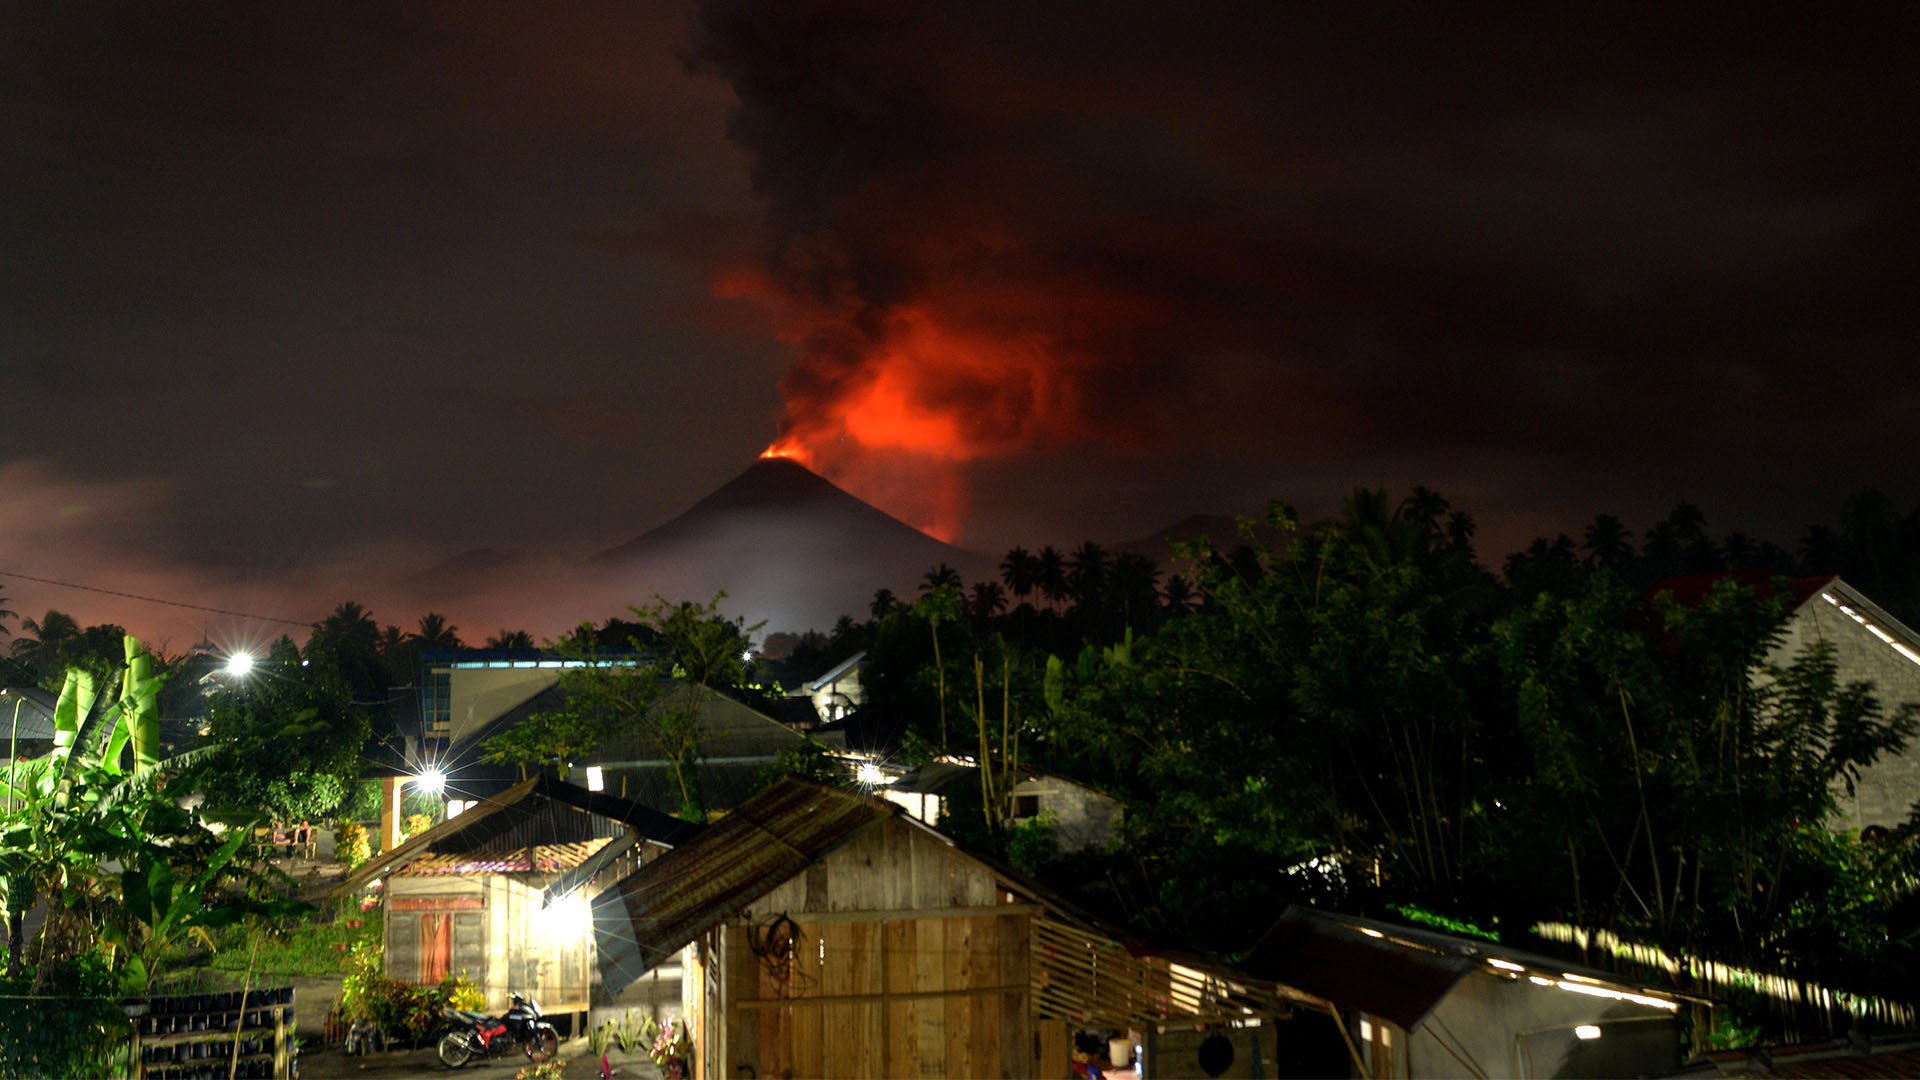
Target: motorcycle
(475, 1034)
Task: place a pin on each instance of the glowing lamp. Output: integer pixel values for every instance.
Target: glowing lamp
(431, 780)
(569, 919)
(239, 664)
(1587, 1031)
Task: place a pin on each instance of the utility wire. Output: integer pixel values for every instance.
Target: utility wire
(153, 599)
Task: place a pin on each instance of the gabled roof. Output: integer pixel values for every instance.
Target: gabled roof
(833, 674)
(1690, 590)
(540, 811)
(1400, 973)
(657, 909)
(777, 834)
(1853, 604)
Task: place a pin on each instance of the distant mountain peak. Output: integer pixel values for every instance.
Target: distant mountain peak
(786, 544)
(771, 481)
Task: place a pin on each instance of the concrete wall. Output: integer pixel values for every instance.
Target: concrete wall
(1083, 819)
(1510, 1026)
(1887, 789)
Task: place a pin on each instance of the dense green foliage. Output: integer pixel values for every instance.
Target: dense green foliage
(400, 1010)
(1358, 714)
(63, 1021)
(286, 738)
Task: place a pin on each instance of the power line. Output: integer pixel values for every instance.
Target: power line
(153, 599)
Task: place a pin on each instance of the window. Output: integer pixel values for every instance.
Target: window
(1026, 806)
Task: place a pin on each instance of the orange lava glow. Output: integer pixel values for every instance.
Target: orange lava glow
(785, 448)
(893, 401)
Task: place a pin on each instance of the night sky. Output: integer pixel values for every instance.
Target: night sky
(297, 301)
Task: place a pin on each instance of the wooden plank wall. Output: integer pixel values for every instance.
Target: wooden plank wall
(891, 974)
(900, 997)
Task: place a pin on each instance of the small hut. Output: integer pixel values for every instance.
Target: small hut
(500, 892)
(826, 933)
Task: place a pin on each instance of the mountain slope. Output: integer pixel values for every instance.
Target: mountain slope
(787, 546)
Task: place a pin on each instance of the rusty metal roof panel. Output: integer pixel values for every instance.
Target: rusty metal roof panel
(661, 907)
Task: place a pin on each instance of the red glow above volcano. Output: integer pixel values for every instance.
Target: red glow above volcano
(894, 401)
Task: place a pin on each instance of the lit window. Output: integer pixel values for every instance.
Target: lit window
(596, 780)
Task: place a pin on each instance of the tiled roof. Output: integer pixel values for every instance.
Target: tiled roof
(541, 858)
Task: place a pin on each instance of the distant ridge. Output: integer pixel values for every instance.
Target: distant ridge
(788, 546)
(1222, 529)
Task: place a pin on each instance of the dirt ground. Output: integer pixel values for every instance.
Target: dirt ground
(326, 1062)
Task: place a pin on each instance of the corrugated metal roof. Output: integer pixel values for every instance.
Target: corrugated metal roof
(1397, 972)
(659, 908)
(543, 810)
(540, 858)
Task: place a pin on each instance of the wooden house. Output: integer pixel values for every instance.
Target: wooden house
(827, 933)
(500, 891)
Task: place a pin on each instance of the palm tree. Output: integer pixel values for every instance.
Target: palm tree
(45, 643)
(938, 576)
(1742, 552)
(884, 604)
(1178, 594)
(5, 614)
(1133, 585)
(1608, 544)
(1425, 508)
(1050, 574)
(988, 600)
(1020, 571)
(511, 639)
(1087, 574)
(435, 633)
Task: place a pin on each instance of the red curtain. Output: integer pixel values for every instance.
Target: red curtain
(436, 945)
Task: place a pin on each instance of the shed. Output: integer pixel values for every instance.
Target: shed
(827, 933)
(1435, 1005)
(501, 890)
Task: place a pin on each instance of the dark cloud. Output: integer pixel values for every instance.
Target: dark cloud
(311, 298)
(1620, 241)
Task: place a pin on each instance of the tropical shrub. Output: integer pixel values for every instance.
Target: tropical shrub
(397, 1009)
(352, 845)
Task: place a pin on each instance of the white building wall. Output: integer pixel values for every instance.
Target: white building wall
(1887, 789)
(1510, 1026)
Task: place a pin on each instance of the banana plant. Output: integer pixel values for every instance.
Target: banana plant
(86, 828)
(156, 910)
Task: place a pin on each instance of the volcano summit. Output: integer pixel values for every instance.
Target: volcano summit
(788, 546)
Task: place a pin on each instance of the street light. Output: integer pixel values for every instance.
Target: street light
(431, 780)
(239, 663)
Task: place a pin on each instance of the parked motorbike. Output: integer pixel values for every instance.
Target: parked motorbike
(476, 1034)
